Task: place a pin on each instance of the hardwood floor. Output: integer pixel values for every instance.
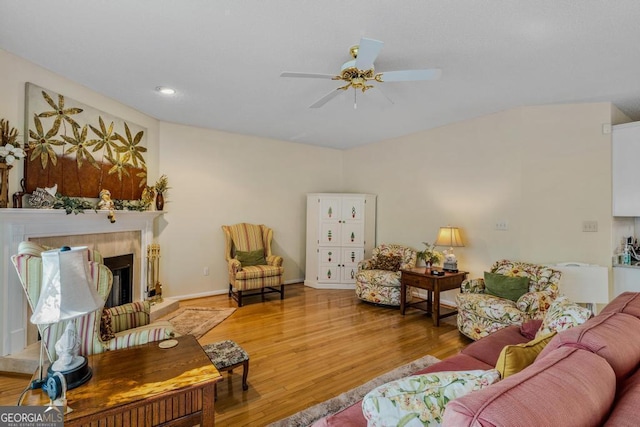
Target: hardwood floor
(307, 348)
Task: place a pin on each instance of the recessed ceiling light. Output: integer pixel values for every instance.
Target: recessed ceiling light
(166, 90)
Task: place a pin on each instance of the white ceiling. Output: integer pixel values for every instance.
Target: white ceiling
(225, 57)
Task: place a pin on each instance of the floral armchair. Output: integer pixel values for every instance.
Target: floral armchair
(378, 278)
(481, 314)
(102, 330)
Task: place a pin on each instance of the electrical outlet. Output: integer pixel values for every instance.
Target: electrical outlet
(502, 225)
(589, 226)
(206, 271)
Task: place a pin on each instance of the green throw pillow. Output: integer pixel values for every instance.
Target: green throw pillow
(251, 258)
(506, 287)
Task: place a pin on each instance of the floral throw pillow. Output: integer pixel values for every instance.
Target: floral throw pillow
(106, 327)
(563, 314)
(420, 400)
(388, 262)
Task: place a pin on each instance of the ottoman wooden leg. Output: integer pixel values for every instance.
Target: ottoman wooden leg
(245, 374)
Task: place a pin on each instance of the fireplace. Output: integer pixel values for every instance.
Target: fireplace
(131, 232)
(122, 289)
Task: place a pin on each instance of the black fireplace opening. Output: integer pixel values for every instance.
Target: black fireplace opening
(122, 268)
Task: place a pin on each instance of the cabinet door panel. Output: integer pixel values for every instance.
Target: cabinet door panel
(352, 256)
(330, 209)
(352, 234)
(330, 233)
(329, 256)
(329, 274)
(625, 155)
(352, 209)
(349, 274)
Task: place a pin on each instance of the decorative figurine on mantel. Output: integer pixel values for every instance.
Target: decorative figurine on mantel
(106, 203)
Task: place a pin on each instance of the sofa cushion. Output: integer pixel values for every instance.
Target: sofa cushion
(421, 399)
(488, 349)
(613, 336)
(514, 358)
(563, 314)
(530, 329)
(502, 286)
(459, 362)
(626, 411)
(626, 302)
(550, 392)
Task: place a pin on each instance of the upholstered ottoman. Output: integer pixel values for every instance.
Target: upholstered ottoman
(228, 355)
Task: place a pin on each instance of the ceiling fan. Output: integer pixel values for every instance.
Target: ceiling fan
(359, 72)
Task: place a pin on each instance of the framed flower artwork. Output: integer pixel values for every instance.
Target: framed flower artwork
(80, 149)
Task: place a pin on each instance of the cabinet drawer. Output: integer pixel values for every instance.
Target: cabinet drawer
(411, 280)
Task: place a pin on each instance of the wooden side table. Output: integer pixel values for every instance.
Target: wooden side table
(423, 279)
(144, 385)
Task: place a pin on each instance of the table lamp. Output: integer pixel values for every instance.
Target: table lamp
(67, 293)
(449, 236)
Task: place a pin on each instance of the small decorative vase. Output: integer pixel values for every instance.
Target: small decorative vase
(159, 201)
(427, 264)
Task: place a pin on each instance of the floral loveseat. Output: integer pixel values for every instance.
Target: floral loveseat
(481, 314)
(378, 278)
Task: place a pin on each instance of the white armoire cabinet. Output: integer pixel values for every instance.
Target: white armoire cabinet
(340, 233)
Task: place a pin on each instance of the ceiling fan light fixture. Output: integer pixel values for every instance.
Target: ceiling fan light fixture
(360, 71)
(166, 90)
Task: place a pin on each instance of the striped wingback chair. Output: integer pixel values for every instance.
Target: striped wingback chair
(104, 329)
(251, 265)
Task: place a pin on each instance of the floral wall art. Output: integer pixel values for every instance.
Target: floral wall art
(80, 149)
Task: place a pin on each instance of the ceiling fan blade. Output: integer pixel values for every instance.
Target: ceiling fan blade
(328, 97)
(411, 75)
(368, 51)
(307, 75)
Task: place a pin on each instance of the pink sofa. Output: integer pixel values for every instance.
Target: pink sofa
(588, 375)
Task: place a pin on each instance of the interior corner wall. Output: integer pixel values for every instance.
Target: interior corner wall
(219, 178)
(543, 170)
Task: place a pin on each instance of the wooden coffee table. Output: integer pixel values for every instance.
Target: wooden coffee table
(144, 386)
(423, 279)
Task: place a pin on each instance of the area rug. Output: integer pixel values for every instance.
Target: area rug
(310, 415)
(197, 321)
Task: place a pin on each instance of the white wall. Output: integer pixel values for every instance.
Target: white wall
(219, 178)
(542, 169)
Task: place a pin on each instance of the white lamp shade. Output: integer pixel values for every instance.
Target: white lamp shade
(449, 236)
(67, 289)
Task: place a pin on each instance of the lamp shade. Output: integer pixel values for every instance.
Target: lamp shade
(449, 236)
(67, 289)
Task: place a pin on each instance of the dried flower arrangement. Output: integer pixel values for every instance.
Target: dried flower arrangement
(10, 149)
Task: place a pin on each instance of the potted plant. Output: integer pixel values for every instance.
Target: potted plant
(161, 186)
(429, 255)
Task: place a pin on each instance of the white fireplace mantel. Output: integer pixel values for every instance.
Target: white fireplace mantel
(17, 225)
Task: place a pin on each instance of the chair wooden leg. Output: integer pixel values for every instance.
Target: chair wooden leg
(239, 298)
(262, 293)
(281, 291)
